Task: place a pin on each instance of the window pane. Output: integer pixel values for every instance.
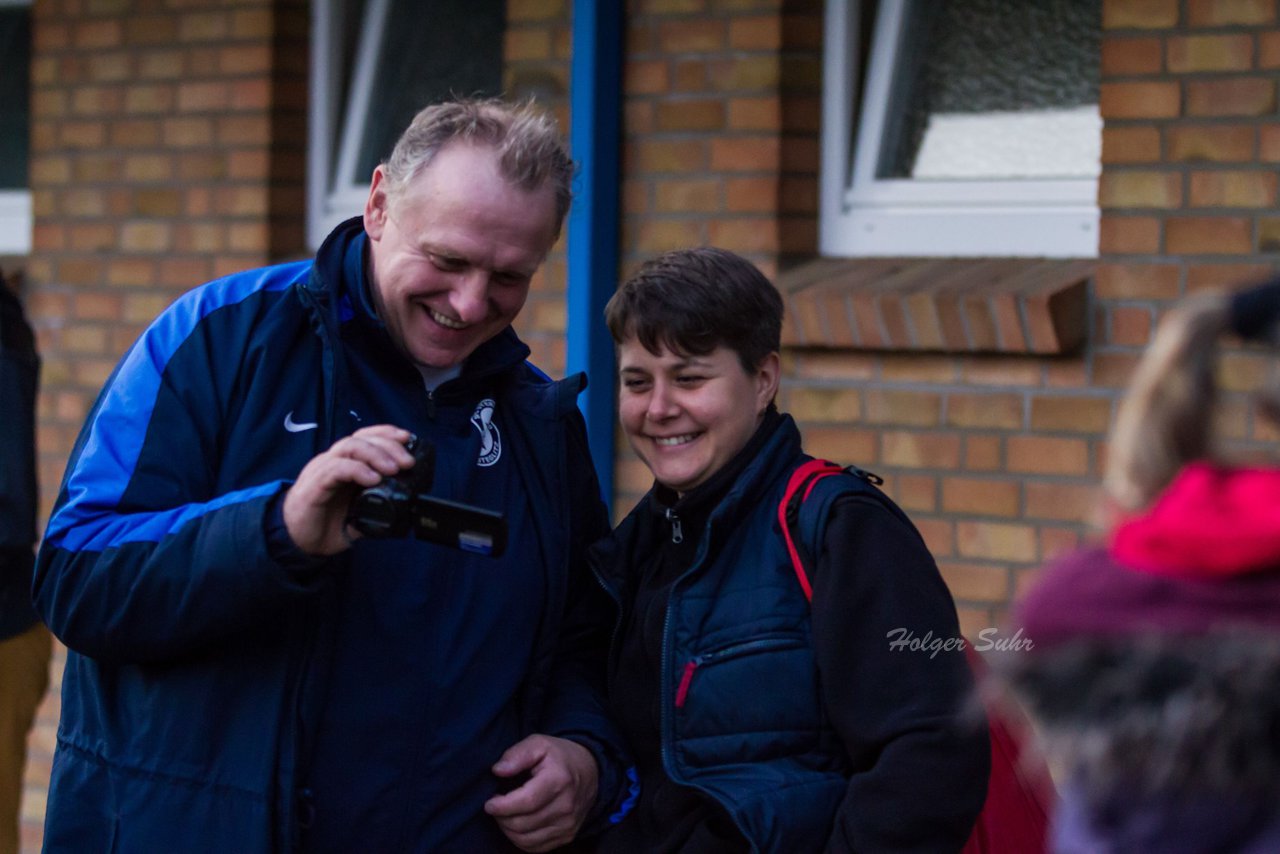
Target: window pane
(431, 52)
(15, 83)
(996, 89)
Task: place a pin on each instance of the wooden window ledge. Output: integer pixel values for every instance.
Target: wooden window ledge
(968, 305)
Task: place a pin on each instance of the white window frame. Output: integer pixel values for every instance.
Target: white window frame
(332, 194)
(15, 205)
(865, 216)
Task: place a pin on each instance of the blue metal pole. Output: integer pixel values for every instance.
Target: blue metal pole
(595, 108)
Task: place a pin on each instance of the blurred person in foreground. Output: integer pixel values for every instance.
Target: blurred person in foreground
(761, 721)
(1155, 671)
(25, 644)
(246, 673)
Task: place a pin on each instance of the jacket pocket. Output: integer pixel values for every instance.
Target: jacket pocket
(753, 699)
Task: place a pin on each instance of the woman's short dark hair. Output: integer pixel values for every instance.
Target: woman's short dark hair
(692, 301)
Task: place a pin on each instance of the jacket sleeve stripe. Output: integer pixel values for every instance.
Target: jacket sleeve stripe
(101, 470)
(100, 532)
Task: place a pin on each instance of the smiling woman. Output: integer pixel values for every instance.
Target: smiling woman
(834, 754)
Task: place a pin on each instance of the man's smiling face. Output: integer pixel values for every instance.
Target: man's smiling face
(453, 252)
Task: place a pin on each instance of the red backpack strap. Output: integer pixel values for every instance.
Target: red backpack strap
(798, 489)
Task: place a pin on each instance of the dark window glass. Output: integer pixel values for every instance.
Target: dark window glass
(431, 52)
(15, 96)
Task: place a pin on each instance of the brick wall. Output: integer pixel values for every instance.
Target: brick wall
(537, 53)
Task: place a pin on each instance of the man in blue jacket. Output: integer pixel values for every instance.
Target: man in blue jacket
(245, 672)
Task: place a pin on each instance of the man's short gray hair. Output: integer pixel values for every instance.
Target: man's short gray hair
(526, 139)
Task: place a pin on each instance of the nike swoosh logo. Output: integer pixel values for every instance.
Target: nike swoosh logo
(295, 427)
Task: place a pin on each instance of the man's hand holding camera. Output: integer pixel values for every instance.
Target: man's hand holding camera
(315, 507)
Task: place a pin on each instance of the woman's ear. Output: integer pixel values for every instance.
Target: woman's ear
(767, 377)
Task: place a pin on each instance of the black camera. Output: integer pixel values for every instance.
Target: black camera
(400, 507)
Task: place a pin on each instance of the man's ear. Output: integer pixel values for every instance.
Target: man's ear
(768, 375)
(378, 205)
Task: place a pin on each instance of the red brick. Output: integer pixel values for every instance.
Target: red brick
(996, 541)
(824, 404)
(914, 450)
(1237, 96)
(690, 77)
(1113, 370)
(1130, 326)
(1208, 235)
(1071, 414)
(1007, 371)
(981, 496)
(1144, 189)
(745, 154)
(983, 453)
(1062, 502)
(939, 535)
(658, 156)
(1139, 14)
(1130, 56)
(752, 195)
(973, 581)
(903, 408)
(1213, 143)
(745, 73)
(910, 367)
(842, 444)
(687, 195)
(915, 493)
(1130, 145)
(1269, 234)
(1219, 13)
(744, 236)
(1269, 50)
(1045, 455)
(691, 36)
(1148, 100)
(1125, 235)
(1233, 189)
(690, 115)
(988, 411)
(1269, 143)
(1202, 277)
(646, 77)
(1232, 52)
(1137, 281)
(759, 32)
(764, 113)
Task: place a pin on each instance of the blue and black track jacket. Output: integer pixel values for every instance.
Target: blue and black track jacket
(212, 681)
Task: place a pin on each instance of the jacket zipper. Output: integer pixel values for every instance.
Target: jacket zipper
(677, 532)
(697, 661)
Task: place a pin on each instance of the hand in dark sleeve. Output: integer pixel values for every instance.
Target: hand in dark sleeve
(920, 767)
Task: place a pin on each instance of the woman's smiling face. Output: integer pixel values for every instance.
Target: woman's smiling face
(687, 416)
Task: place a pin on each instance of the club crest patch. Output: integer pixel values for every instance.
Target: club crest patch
(490, 440)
